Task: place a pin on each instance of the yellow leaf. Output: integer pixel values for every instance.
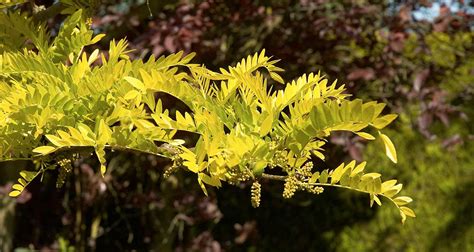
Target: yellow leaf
(18, 187)
(177, 142)
(314, 178)
(404, 217)
(28, 175)
(201, 184)
(358, 169)
(132, 94)
(56, 140)
(402, 200)
(191, 166)
(377, 200)
(383, 121)
(366, 136)
(393, 191)
(370, 175)
(266, 125)
(93, 57)
(103, 169)
(259, 167)
(143, 124)
(138, 84)
(408, 212)
(76, 134)
(105, 133)
(277, 77)
(213, 181)
(22, 182)
(44, 150)
(97, 38)
(14, 193)
(387, 185)
(389, 148)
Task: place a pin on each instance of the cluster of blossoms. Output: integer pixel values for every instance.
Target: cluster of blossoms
(256, 193)
(65, 167)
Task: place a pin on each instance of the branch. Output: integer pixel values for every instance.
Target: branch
(282, 178)
(163, 152)
(273, 177)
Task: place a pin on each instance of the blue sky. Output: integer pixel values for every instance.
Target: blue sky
(432, 12)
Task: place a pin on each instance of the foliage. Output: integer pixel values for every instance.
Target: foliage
(382, 49)
(59, 103)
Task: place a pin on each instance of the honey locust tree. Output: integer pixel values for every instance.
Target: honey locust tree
(59, 102)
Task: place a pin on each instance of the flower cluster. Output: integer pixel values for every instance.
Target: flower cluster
(256, 193)
(65, 168)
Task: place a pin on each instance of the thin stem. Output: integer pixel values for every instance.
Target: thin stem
(16, 159)
(162, 152)
(283, 178)
(273, 177)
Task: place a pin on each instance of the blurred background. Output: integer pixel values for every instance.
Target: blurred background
(416, 56)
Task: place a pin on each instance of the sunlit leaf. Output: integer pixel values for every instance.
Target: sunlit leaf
(389, 148)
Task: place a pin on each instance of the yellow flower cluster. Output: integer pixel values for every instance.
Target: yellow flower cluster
(256, 193)
(235, 175)
(65, 168)
(291, 185)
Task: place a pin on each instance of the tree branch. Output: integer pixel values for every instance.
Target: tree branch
(273, 177)
(163, 152)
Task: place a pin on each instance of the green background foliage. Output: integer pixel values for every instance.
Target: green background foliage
(422, 69)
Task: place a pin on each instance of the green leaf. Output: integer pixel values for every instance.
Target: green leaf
(323, 178)
(389, 148)
(314, 178)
